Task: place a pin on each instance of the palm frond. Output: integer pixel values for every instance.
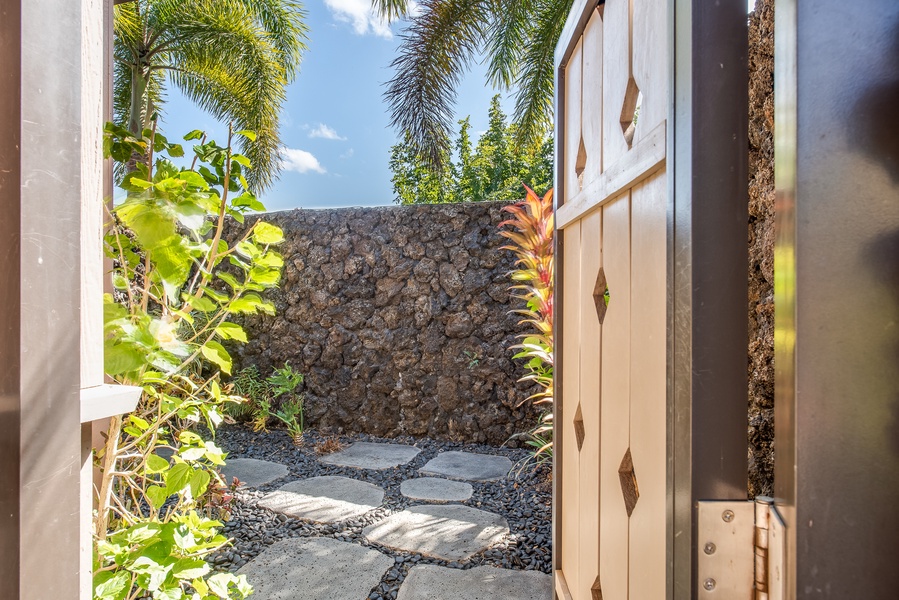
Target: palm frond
(436, 49)
(391, 9)
(534, 95)
(507, 40)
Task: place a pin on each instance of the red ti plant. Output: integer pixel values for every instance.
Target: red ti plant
(531, 239)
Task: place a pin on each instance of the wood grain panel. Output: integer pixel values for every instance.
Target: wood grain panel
(571, 339)
(572, 123)
(648, 391)
(592, 107)
(615, 393)
(616, 71)
(650, 63)
(590, 360)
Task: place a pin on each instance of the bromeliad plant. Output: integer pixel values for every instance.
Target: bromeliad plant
(177, 281)
(532, 242)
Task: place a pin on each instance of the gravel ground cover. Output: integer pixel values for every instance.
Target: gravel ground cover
(523, 498)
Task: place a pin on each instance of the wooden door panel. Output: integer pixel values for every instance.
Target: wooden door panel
(648, 425)
(613, 228)
(572, 122)
(615, 393)
(592, 105)
(616, 72)
(650, 64)
(570, 504)
(590, 359)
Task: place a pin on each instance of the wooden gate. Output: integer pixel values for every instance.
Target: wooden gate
(613, 101)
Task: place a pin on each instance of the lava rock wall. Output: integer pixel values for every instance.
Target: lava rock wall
(761, 249)
(400, 319)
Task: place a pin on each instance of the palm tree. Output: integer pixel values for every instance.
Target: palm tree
(518, 38)
(234, 58)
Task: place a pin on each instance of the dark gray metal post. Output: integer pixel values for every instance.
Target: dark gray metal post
(837, 295)
(40, 165)
(708, 264)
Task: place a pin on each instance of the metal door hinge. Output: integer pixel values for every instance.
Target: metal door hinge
(741, 550)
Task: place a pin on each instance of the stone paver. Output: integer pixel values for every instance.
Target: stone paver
(366, 455)
(449, 531)
(315, 569)
(432, 582)
(465, 465)
(252, 472)
(327, 499)
(436, 490)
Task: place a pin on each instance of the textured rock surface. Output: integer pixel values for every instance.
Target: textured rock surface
(315, 569)
(761, 249)
(399, 318)
(427, 582)
(469, 466)
(447, 531)
(252, 472)
(365, 455)
(328, 499)
(433, 489)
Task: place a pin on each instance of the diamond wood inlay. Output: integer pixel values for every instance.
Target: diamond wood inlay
(601, 295)
(579, 431)
(629, 111)
(596, 590)
(628, 482)
(581, 163)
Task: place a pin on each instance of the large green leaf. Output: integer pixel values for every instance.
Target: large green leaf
(109, 586)
(177, 478)
(151, 224)
(189, 568)
(157, 496)
(231, 331)
(173, 261)
(266, 233)
(216, 353)
(122, 358)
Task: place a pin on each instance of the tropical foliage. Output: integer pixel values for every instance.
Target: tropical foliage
(176, 281)
(493, 170)
(234, 58)
(445, 37)
(532, 242)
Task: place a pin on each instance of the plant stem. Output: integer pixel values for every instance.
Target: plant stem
(110, 457)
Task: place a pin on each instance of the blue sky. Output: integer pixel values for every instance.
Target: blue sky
(335, 124)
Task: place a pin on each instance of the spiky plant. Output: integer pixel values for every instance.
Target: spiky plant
(532, 242)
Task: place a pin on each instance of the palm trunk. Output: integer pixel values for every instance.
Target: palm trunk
(139, 85)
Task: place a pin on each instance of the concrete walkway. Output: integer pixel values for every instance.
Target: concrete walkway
(328, 569)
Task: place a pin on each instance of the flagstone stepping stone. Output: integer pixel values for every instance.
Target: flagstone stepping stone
(252, 472)
(367, 455)
(315, 569)
(436, 490)
(328, 499)
(431, 582)
(446, 531)
(466, 465)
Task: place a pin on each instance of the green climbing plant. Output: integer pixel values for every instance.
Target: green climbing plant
(177, 282)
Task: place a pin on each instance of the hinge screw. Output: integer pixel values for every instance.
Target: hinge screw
(709, 584)
(728, 516)
(710, 548)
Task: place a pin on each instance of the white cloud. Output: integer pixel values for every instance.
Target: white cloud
(361, 15)
(348, 154)
(300, 161)
(325, 132)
